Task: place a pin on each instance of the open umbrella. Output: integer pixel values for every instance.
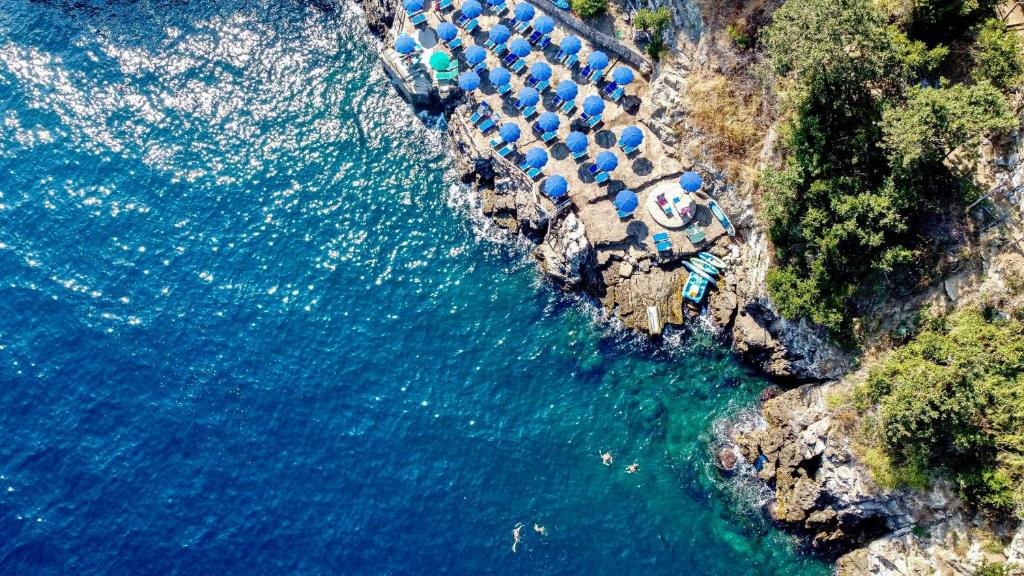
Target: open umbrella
(536, 157)
(555, 186)
(446, 31)
(499, 33)
(412, 6)
(548, 121)
(626, 200)
(472, 9)
(567, 90)
(404, 44)
(571, 45)
(519, 47)
(524, 12)
(606, 161)
(622, 75)
(495, 2)
(631, 136)
(529, 96)
(690, 181)
(540, 71)
(509, 132)
(597, 60)
(475, 54)
(499, 76)
(593, 105)
(576, 142)
(440, 60)
(469, 80)
(544, 24)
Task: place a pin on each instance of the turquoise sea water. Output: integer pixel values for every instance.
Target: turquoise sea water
(249, 325)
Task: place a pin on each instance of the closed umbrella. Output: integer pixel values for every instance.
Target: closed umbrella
(690, 181)
(529, 96)
(404, 44)
(499, 76)
(475, 55)
(555, 186)
(524, 12)
(540, 71)
(499, 33)
(571, 45)
(469, 80)
(567, 90)
(597, 60)
(509, 132)
(413, 5)
(440, 60)
(576, 142)
(631, 136)
(471, 9)
(626, 200)
(606, 161)
(536, 157)
(548, 121)
(622, 75)
(593, 105)
(446, 31)
(519, 47)
(544, 24)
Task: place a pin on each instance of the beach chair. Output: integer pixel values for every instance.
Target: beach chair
(504, 152)
(695, 234)
(623, 214)
(545, 42)
(499, 9)
(443, 5)
(537, 129)
(520, 105)
(518, 66)
(563, 4)
(628, 150)
(602, 178)
(571, 61)
(594, 121)
(522, 27)
(508, 60)
(529, 112)
(577, 155)
(455, 44)
(543, 85)
(610, 88)
(662, 242)
(480, 112)
(617, 95)
(496, 143)
(557, 102)
(480, 68)
(489, 44)
(568, 107)
(503, 89)
(561, 56)
(585, 72)
(593, 170)
(548, 136)
(533, 173)
(532, 82)
(472, 25)
(461, 20)
(418, 19)
(534, 38)
(489, 122)
(524, 166)
(596, 76)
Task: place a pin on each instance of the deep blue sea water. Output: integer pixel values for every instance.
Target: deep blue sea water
(250, 325)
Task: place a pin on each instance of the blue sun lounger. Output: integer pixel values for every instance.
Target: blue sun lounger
(585, 72)
(534, 38)
(480, 68)
(522, 27)
(561, 56)
(455, 44)
(418, 19)
(627, 150)
(543, 85)
(593, 169)
(568, 107)
(532, 82)
(490, 122)
(594, 121)
(571, 61)
(548, 136)
(480, 112)
(557, 102)
(472, 25)
(544, 42)
(580, 154)
(596, 76)
(508, 60)
(662, 242)
(602, 178)
(503, 89)
(533, 173)
(444, 5)
(563, 4)
(617, 95)
(519, 65)
(461, 20)
(610, 88)
(623, 214)
(529, 112)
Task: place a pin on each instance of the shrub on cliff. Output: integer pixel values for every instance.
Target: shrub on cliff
(589, 8)
(654, 22)
(998, 56)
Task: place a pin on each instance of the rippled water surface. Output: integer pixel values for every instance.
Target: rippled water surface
(248, 325)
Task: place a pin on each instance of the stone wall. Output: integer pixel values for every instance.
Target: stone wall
(599, 39)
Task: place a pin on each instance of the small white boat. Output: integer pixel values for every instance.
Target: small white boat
(653, 320)
(712, 259)
(700, 273)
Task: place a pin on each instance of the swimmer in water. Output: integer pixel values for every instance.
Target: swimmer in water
(516, 536)
(539, 529)
(632, 468)
(606, 458)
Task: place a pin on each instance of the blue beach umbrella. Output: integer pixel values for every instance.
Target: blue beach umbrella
(606, 161)
(544, 24)
(519, 47)
(446, 31)
(509, 132)
(567, 90)
(622, 75)
(593, 105)
(597, 60)
(475, 55)
(495, 2)
(529, 96)
(548, 121)
(576, 142)
(571, 45)
(413, 5)
(469, 80)
(524, 12)
(499, 76)
(540, 71)
(404, 44)
(626, 200)
(499, 33)
(690, 181)
(472, 9)
(631, 136)
(536, 157)
(555, 186)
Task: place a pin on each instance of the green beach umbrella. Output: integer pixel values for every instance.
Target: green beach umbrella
(440, 61)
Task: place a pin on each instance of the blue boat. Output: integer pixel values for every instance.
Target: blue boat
(701, 273)
(712, 259)
(700, 263)
(716, 210)
(694, 288)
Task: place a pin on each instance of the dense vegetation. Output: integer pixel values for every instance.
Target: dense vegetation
(876, 103)
(654, 23)
(589, 8)
(951, 403)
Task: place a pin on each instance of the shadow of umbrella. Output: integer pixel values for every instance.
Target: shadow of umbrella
(427, 37)
(559, 151)
(637, 230)
(605, 139)
(614, 186)
(584, 173)
(631, 105)
(643, 167)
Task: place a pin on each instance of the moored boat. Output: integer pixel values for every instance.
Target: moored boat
(713, 260)
(694, 288)
(701, 273)
(700, 263)
(717, 212)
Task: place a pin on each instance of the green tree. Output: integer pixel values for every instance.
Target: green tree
(998, 55)
(654, 22)
(589, 8)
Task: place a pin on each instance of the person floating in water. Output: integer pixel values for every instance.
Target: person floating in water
(539, 529)
(632, 468)
(516, 535)
(606, 458)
